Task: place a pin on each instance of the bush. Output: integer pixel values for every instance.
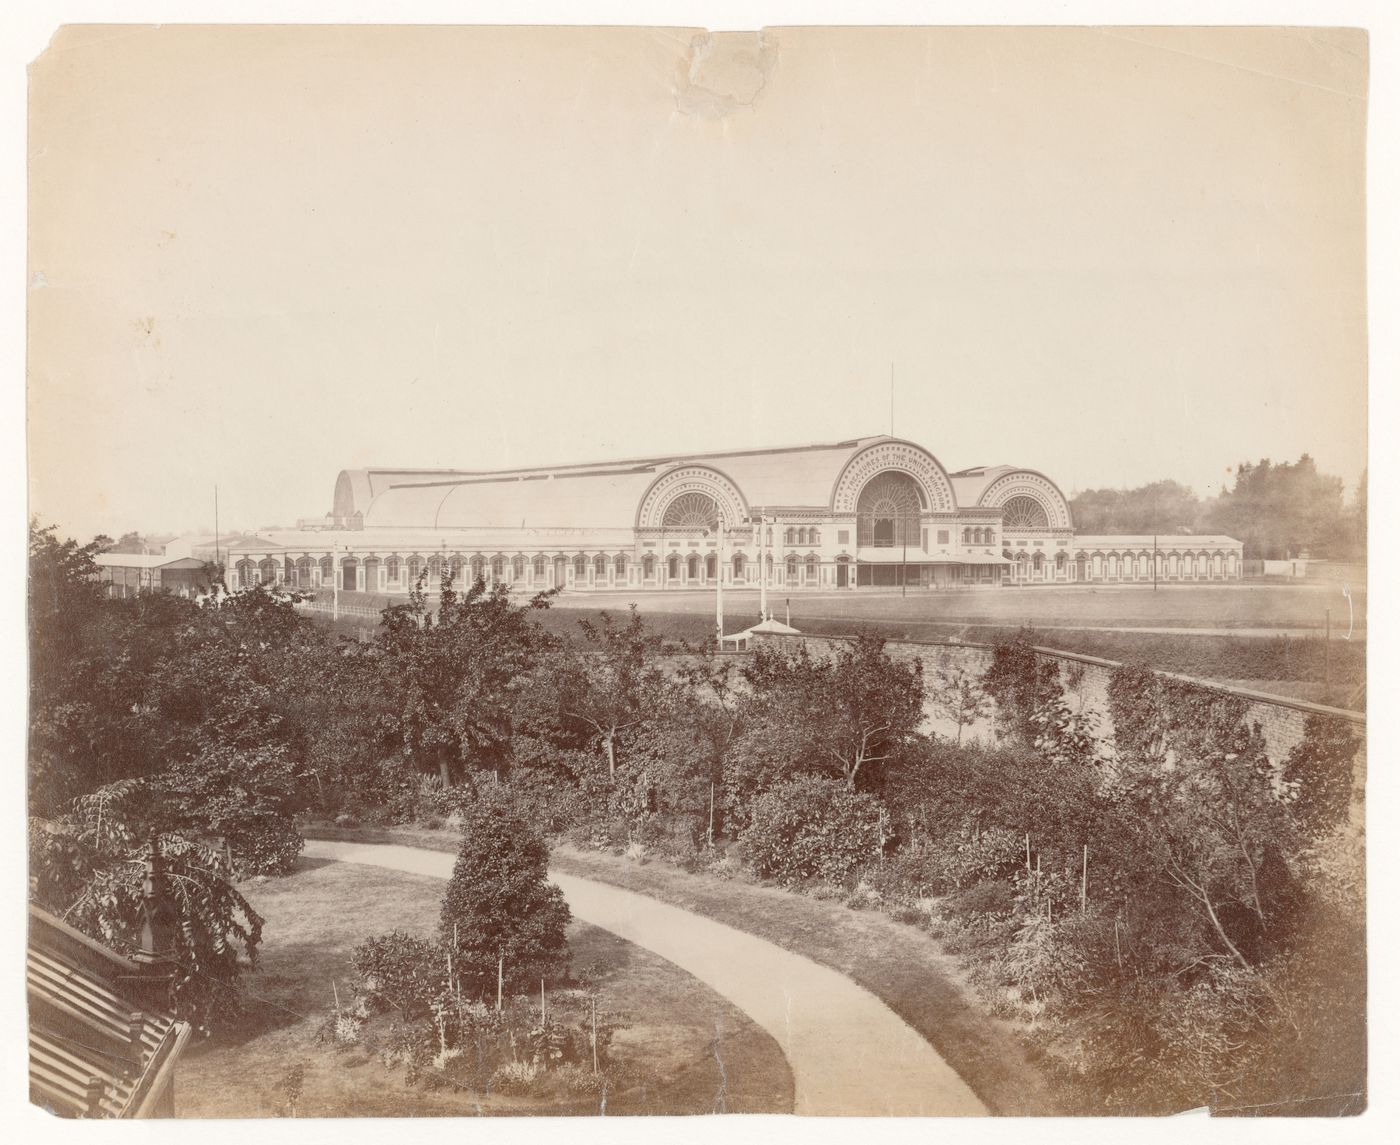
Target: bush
(500, 910)
(813, 828)
(991, 898)
(398, 971)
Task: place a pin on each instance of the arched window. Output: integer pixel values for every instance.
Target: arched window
(600, 567)
(538, 564)
(691, 511)
(812, 568)
(620, 566)
(1022, 512)
(498, 567)
(816, 537)
(391, 568)
(692, 566)
(517, 566)
(246, 572)
(648, 566)
(738, 566)
(787, 535)
(792, 569)
(887, 512)
(673, 567)
(711, 565)
(580, 566)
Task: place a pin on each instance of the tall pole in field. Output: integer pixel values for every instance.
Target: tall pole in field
(719, 586)
(335, 580)
(762, 567)
(1327, 652)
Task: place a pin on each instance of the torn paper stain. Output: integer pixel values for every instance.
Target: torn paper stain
(724, 72)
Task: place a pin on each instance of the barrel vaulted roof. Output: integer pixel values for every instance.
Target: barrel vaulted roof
(601, 495)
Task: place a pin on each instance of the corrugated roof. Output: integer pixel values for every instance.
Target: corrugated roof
(93, 1050)
(605, 494)
(970, 484)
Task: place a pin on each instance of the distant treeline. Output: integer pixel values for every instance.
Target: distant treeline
(1278, 510)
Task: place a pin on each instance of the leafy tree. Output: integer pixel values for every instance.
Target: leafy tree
(846, 714)
(502, 919)
(1279, 509)
(608, 687)
(1319, 774)
(960, 699)
(1021, 683)
(89, 867)
(814, 827)
(450, 674)
(132, 542)
(1199, 788)
(1160, 507)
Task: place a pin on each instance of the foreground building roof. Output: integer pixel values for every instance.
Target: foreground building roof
(94, 1049)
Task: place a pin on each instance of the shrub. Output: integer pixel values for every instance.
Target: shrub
(400, 972)
(500, 911)
(813, 828)
(992, 898)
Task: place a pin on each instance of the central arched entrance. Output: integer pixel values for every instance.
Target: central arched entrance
(889, 516)
(888, 512)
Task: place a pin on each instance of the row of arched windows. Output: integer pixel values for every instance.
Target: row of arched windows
(978, 536)
(802, 536)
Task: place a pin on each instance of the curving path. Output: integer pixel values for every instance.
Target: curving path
(851, 1055)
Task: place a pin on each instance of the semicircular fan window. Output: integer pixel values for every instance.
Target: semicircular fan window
(691, 511)
(1024, 513)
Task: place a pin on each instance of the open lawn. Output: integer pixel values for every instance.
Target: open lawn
(1220, 606)
(1266, 637)
(896, 962)
(676, 1033)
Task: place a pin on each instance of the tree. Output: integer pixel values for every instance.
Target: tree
(89, 868)
(608, 687)
(1280, 509)
(91, 663)
(960, 698)
(1195, 781)
(844, 714)
(1021, 683)
(1160, 507)
(450, 674)
(501, 918)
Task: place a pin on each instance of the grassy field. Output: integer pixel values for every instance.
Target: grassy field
(1219, 606)
(676, 1029)
(1265, 637)
(897, 963)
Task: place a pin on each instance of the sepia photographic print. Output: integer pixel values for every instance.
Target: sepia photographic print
(632, 570)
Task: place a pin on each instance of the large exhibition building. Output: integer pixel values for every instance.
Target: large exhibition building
(872, 511)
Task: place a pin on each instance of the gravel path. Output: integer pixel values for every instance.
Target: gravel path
(850, 1054)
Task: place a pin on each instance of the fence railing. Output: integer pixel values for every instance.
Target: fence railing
(325, 606)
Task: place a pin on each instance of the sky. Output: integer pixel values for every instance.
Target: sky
(260, 255)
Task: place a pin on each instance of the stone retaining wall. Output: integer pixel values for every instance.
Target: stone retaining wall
(1086, 680)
